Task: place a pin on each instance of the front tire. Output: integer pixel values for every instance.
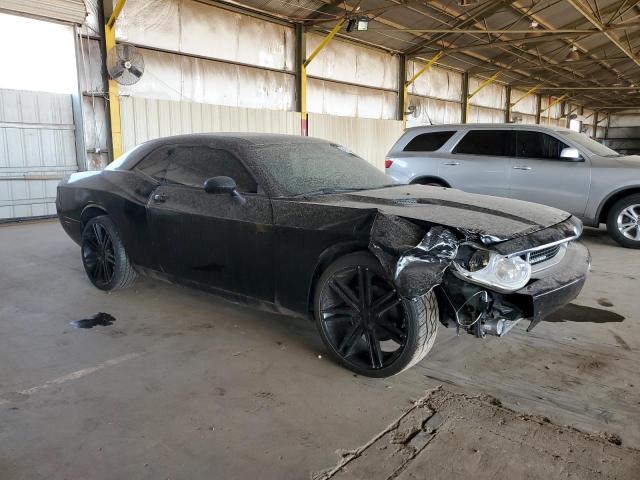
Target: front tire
(104, 257)
(623, 221)
(365, 324)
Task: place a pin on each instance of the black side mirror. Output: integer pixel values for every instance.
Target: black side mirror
(218, 185)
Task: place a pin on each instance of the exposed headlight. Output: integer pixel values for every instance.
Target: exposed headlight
(479, 260)
(496, 271)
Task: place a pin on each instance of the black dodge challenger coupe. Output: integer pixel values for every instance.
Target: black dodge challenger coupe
(302, 226)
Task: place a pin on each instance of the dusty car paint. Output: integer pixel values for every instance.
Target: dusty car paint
(269, 250)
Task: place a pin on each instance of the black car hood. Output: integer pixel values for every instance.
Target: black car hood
(493, 218)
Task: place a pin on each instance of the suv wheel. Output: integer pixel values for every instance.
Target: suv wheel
(623, 221)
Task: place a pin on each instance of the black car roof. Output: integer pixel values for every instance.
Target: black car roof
(233, 141)
(239, 138)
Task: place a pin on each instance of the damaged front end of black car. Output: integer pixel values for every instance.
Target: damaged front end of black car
(484, 284)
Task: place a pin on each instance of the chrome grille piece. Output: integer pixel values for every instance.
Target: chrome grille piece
(539, 256)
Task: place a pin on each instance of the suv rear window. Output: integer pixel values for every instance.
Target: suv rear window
(428, 142)
(487, 142)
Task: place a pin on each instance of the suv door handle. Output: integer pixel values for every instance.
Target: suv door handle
(159, 197)
(522, 167)
(452, 163)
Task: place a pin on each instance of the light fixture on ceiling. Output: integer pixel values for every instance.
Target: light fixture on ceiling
(363, 24)
(534, 24)
(573, 54)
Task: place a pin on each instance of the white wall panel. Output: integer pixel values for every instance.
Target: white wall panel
(347, 62)
(523, 118)
(145, 119)
(527, 105)
(493, 95)
(435, 82)
(176, 77)
(430, 111)
(484, 115)
(350, 101)
(371, 139)
(191, 27)
(37, 148)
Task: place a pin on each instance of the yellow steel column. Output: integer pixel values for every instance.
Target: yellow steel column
(527, 93)
(405, 90)
(304, 116)
(488, 81)
(114, 100)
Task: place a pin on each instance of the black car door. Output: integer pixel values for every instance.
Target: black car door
(211, 239)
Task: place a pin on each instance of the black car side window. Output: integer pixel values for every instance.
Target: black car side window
(538, 145)
(155, 164)
(192, 165)
(428, 142)
(487, 142)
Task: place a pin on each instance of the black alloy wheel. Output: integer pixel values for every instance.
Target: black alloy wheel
(366, 325)
(103, 256)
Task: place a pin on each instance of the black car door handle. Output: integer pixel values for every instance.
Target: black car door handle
(159, 197)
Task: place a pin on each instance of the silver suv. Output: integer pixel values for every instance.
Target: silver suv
(549, 165)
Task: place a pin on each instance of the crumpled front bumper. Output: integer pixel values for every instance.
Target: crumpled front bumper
(557, 287)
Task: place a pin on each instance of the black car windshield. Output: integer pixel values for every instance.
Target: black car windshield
(317, 168)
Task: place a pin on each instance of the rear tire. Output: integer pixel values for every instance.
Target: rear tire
(365, 324)
(623, 221)
(104, 257)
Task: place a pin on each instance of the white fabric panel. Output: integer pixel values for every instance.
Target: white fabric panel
(37, 148)
(348, 100)
(145, 119)
(523, 118)
(347, 62)
(435, 82)
(430, 111)
(554, 112)
(484, 115)
(526, 105)
(191, 27)
(625, 120)
(176, 77)
(371, 139)
(72, 11)
(493, 95)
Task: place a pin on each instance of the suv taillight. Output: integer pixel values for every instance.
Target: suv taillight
(388, 163)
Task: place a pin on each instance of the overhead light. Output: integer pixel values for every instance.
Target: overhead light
(534, 24)
(350, 24)
(363, 24)
(573, 54)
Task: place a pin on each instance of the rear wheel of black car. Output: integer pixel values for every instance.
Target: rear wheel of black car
(623, 221)
(104, 257)
(365, 324)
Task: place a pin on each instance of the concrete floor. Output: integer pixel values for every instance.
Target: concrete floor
(186, 386)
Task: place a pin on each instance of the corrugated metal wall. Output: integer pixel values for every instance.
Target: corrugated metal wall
(37, 148)
(145, 119)
(369, 138)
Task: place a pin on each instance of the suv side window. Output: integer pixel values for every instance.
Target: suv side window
(428, 142)
(531, 144)
(487, 142)
(192, 165)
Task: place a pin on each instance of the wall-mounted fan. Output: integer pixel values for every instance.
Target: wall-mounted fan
(125, 64)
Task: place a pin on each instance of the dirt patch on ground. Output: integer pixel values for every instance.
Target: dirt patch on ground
(451, 435)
